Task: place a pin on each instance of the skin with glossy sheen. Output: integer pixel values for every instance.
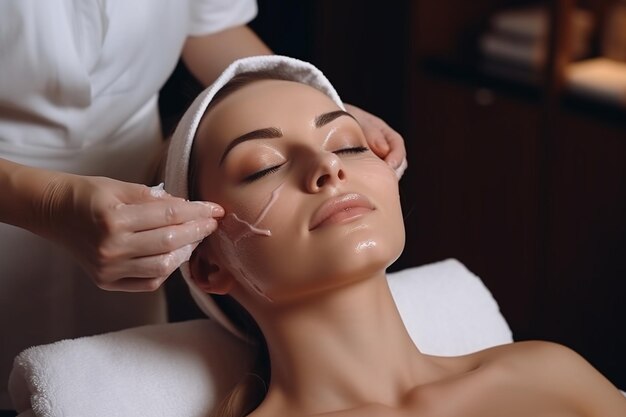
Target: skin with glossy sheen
(296, 162)
(316, 285)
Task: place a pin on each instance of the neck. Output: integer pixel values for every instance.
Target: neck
(341, 350)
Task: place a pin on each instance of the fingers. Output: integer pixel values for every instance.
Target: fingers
(393, 152)
(135, 284)
(130, 237)
(384, 141)
(396, 158)
(372, 129)
(168, 239)
(163, 213)
(376, 140)
(146, 273)
(397, 153)
(168, 230)
(149, 254)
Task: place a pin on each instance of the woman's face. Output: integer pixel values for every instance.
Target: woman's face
(308, 206)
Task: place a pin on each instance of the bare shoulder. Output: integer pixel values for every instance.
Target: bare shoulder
(542, 357)
(559, 371)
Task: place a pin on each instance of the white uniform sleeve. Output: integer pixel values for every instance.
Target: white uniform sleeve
(210, 16)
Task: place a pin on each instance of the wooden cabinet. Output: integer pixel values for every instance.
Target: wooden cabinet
(520, 180)
(583, 301)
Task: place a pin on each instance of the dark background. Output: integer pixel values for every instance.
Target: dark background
(521, 182)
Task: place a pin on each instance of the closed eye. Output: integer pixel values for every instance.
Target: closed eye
(270, 170)
(261, 174)
(355, 150)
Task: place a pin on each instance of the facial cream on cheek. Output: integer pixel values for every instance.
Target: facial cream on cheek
(233, 255)
(251, 229)
(234, 229)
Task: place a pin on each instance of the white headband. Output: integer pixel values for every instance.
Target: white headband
(177, 163)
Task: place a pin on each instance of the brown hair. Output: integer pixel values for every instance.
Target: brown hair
(250, 391)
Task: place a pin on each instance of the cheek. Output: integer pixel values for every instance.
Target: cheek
(255, 212)
(245, 238)
(382, 181)
(378, 178)
(260, 263)
(236, 244)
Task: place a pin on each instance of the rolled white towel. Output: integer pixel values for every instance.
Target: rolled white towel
(177, 369)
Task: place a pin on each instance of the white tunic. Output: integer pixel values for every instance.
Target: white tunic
(78, 93)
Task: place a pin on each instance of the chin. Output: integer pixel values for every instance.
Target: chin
(373, 255)
(360, 259)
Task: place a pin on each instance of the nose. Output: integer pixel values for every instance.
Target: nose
(327, 170)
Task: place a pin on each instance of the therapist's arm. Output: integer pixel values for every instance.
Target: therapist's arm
(207, 56)
(125, 237)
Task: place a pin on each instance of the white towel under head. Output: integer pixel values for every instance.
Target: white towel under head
(177, 163)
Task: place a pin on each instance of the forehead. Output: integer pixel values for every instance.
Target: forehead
(261, 104)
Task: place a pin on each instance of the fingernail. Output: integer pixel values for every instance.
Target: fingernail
(216, 210)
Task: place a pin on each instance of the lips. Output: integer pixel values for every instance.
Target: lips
(342, 209)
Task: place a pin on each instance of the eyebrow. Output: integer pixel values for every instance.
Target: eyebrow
(274, 132)
(324, 119)
(266, 133)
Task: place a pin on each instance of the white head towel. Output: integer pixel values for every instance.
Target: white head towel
(177, 163)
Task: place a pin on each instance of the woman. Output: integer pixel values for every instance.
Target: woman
(312, 221)
(79, 129)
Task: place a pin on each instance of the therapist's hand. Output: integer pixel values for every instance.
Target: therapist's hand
(126, 236)
(382, 139)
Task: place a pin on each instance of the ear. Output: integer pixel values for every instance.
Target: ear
(209, 276)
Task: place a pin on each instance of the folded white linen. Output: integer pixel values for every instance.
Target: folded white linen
(447, 310)
(160, 370)
(183, 369)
